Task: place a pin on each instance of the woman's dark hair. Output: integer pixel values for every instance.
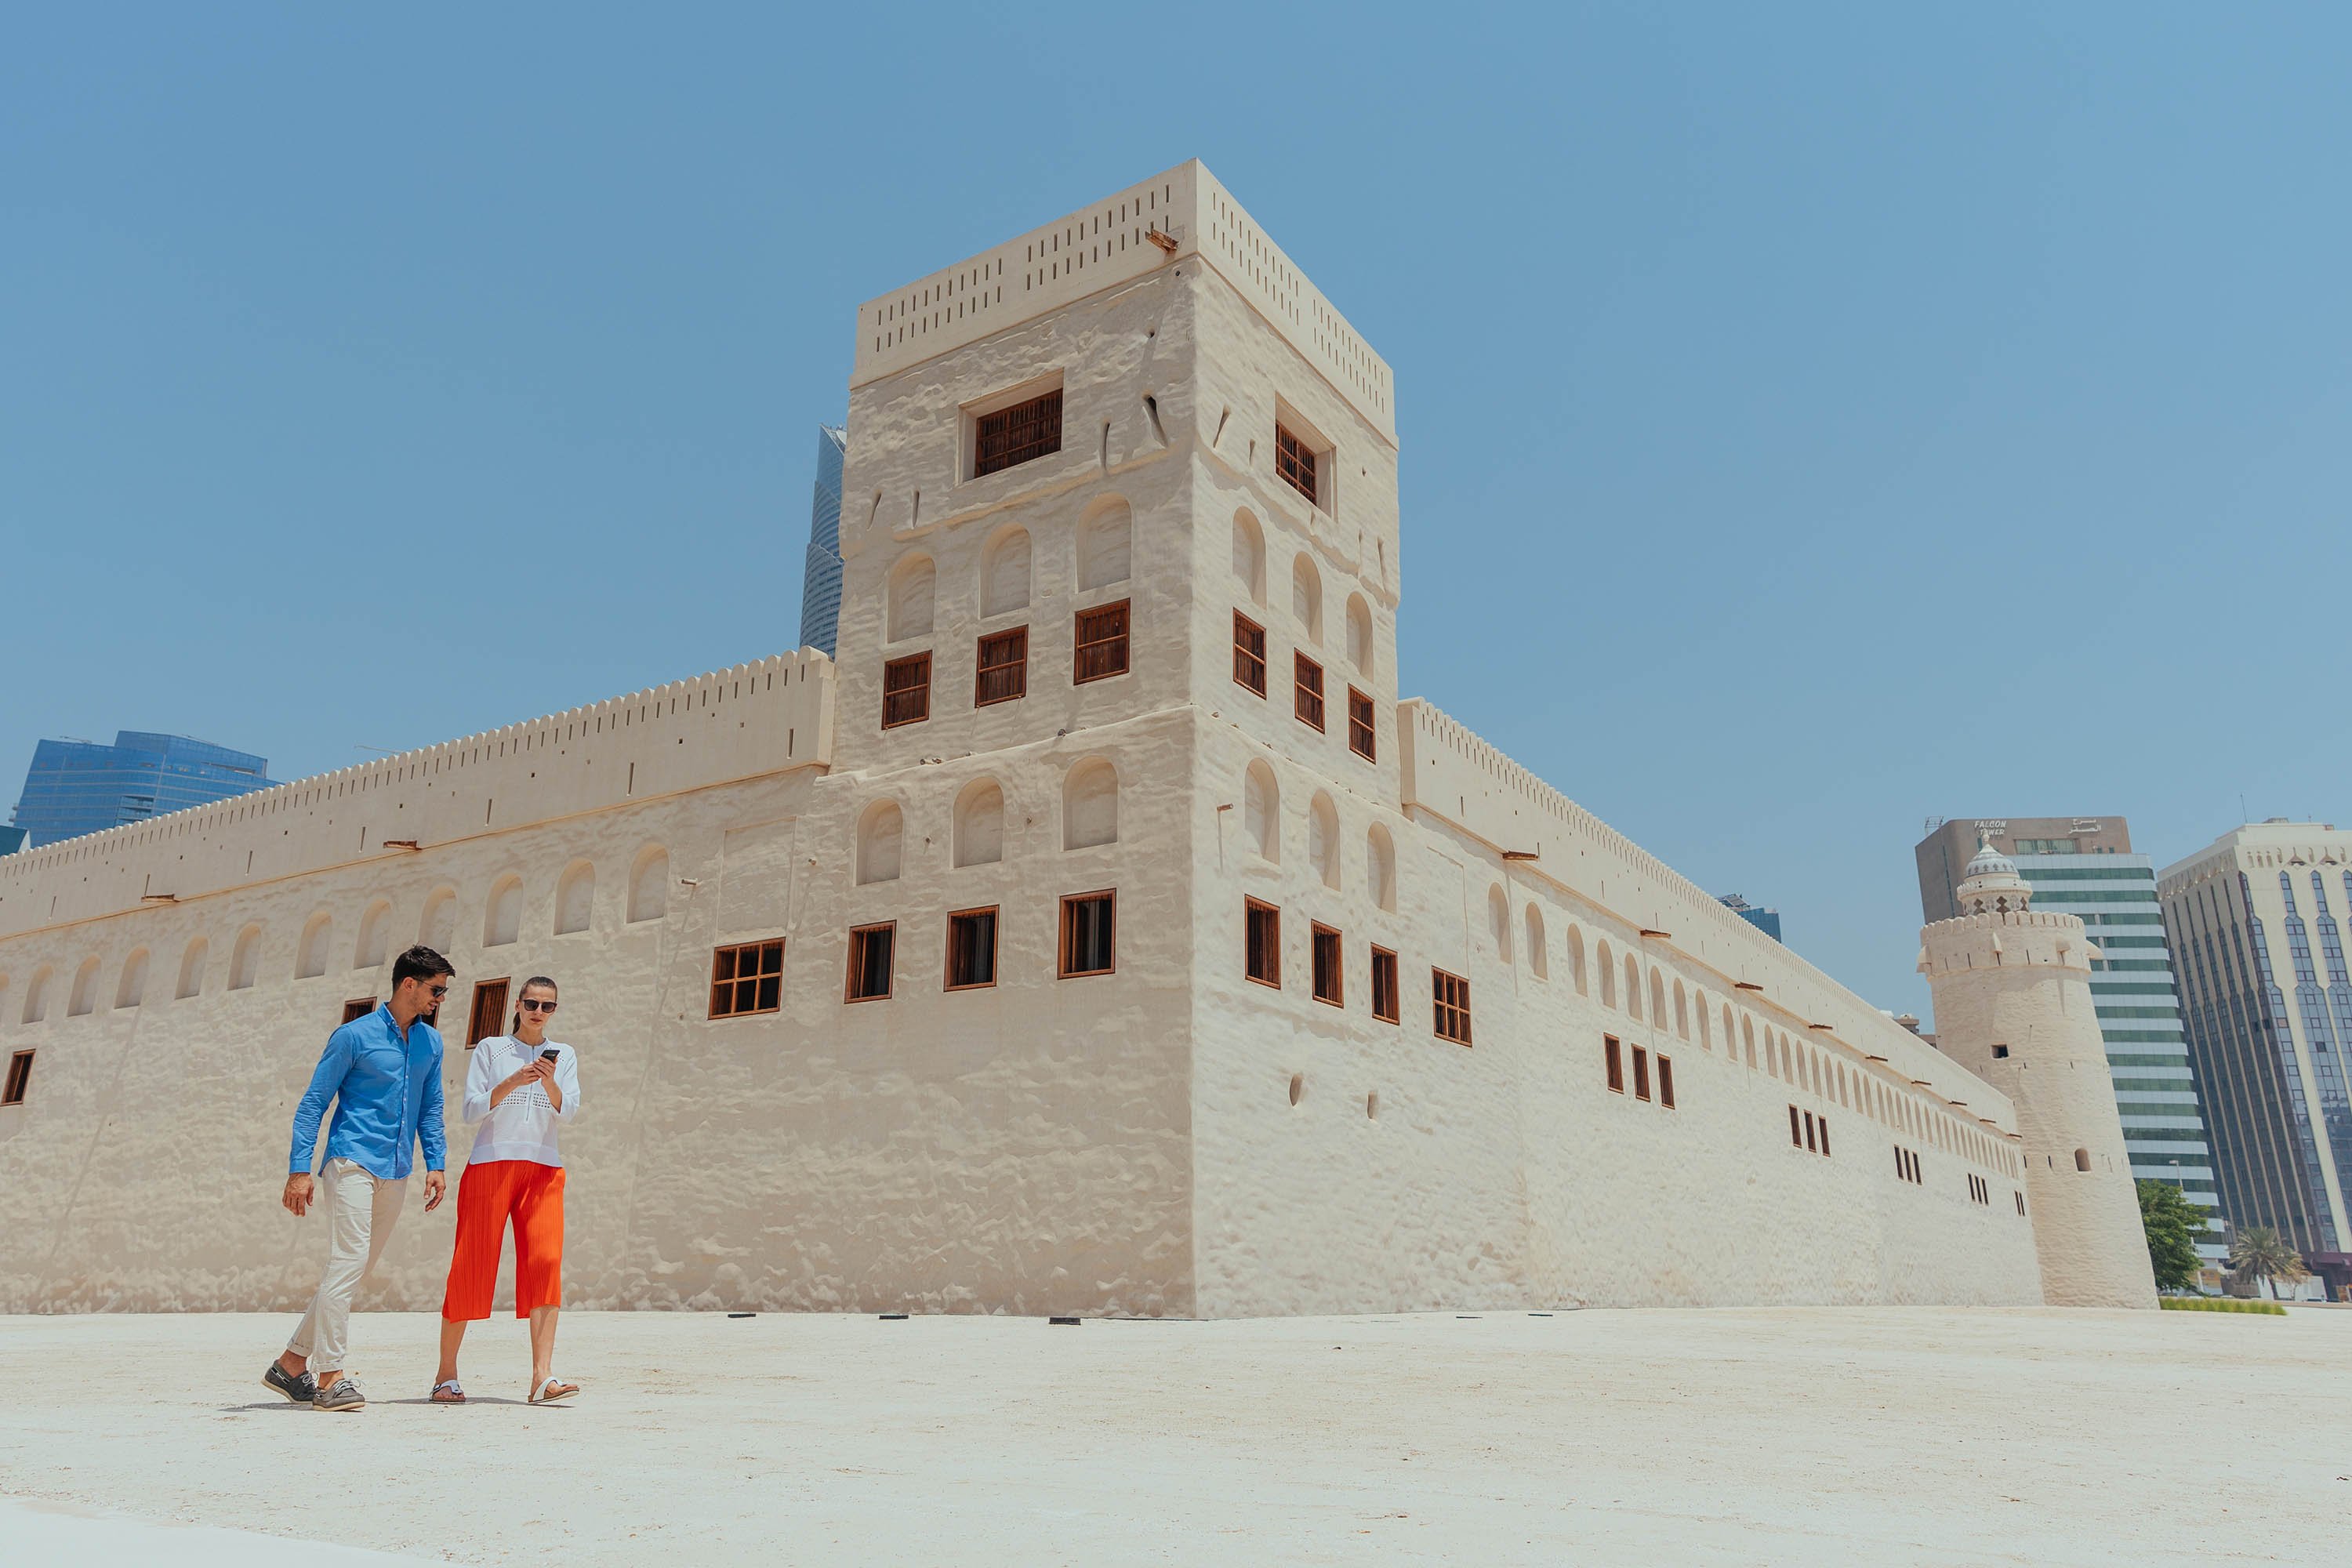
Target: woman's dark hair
(534, 980)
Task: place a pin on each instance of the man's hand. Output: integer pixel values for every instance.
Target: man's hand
(437, 1186)
(296, 1198)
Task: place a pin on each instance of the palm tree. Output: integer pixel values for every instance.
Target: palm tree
(2263, 1253)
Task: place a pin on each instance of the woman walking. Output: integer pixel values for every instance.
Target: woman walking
(519, 1087)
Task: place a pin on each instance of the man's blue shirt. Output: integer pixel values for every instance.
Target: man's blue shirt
(387, 1095)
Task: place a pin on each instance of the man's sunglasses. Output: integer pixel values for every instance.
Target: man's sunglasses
(528, 1005)
(436, 992)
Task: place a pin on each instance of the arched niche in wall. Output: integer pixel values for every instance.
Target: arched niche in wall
(130, 990)
(1249, 557)
(575, 898)
(1608, 974)
(649, 884)
(37, 997)
(1657, 1000)
(244, 959)
(1262, 811)
(502, 917)
(1106, 543)
(912, 590)
(437, 926)
(1306, 598)
(1632, 988)
(980, 824)
(1539, 956)
(1323, 839)
(1359, 635)
(881, 830)
(83, 998)
(1575, 945)
(1682, 1011)
(192, 969)
(1005, 573)
(310, 952)
(1499, 920)
(375, 932)
(1089, 804)
(1379, 866)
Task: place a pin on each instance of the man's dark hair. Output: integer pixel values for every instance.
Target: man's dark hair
(419, 962)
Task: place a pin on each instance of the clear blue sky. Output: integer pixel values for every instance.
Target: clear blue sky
(1815, 418)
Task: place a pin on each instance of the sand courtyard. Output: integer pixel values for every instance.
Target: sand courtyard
(1788, 1434)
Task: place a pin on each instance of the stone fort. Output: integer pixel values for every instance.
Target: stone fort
(1099, 933)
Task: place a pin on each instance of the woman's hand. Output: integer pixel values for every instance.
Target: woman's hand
(538, 1070)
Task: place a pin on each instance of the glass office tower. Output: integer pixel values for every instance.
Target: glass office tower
(79, 786)
(820, 575)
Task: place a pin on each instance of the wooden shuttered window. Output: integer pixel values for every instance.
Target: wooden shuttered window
(1641, 1073)
(745, 979)
(972, 948)
(1016, 434)
(488, 1016)
(1262, 943)
(1386, 1007)
(906, 691)
(1003, 665)
(872, 950)
(1615, 1055)
(1249, 654)
(20, 1079)
(1101, 644)
(1329, 966)
(1294, 462)
(1667, 1081)
(1359, 724)
(1451, 994)
(1090, 934)
(359, 1007)
(1308, 677)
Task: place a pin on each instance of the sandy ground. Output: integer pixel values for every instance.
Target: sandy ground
(1800, 1435)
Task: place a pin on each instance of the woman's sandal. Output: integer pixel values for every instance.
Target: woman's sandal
(448, 1393)
(560, 1390)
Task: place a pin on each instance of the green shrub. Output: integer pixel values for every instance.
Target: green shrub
(2219, 1304)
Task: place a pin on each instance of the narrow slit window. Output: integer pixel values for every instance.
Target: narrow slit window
(1329, 979)
(1667, 1081)
(487, 1016)
(1101, 644)
(972, 948)
(1359, 724)
(1310, 679)
(906, 691)
(871, 949)
(1822, 1126)
(1017, 434)
(1089, 934)
(1809, 1130)
(20, 1077)
(1795, 1132)
(1249, 654)
(1450, 996)
(1386, 1007)
(1641, 1073)
(1003, 666)
(1262, 943)
(1614, 1055)
(1294, 461)
(743, 980)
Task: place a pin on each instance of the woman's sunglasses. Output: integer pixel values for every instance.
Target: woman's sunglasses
(531, 1006)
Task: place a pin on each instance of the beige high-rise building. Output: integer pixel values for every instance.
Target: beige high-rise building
(2256, 924)
(2012, 988)
(1099, 933)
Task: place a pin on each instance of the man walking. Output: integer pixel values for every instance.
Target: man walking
(384, 1073)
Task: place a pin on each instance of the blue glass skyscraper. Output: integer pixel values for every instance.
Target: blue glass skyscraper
(821, 575)
(79, 786)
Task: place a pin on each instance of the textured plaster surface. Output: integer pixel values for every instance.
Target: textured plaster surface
(1800, 1435)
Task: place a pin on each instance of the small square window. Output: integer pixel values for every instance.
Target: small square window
(359, 1007)
(1003, 665)
(743, 980)
(20, 1075)
(906, 691)
(1450, 993)
(1386, 1004)
(1999, 1051)
(1296, 462)
(1330, 981)
(1262, 943)
(1090, 934)
(871, 949)
(1309, 678)
(1016, 434)
(1101, 644)
(972, 948)
(488, 1016)
(1667, 1081)
(1612, 1055)
(1641, 1073)
(1359, 724)
(1249, 654)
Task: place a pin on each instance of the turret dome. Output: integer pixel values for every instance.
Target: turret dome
(1990, 885)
